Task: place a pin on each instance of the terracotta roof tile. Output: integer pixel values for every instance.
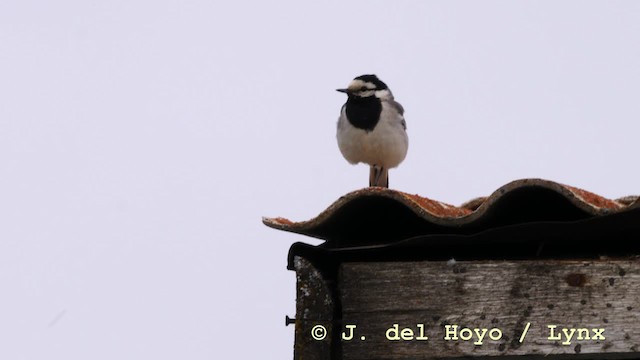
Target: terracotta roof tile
(373, 215)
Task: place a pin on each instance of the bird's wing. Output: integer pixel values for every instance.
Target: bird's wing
(396, 105)
(340, 118)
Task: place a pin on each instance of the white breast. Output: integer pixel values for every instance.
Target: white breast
(386, 145)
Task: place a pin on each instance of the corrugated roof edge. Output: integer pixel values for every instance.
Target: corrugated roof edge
(448, 215)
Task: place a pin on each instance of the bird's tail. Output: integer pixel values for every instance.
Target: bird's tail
(378, 176)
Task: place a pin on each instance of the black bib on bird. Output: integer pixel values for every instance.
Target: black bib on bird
(363, 112)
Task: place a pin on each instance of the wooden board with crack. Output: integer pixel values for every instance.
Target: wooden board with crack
(395, 305)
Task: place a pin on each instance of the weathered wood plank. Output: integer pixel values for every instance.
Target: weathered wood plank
(314, 306)
(600, 297)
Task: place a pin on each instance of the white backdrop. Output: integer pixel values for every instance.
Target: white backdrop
(141, 142)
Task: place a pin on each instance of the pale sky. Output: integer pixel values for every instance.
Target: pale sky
(142, 141)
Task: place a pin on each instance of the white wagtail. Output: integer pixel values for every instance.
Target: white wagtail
(371, 128)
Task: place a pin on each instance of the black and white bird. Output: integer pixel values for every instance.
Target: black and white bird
(372, 129)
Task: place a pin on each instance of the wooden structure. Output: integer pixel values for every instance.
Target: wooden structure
(536, 270)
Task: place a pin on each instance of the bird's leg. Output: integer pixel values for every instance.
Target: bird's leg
(375, 176)
(386, 176)
(378, 173)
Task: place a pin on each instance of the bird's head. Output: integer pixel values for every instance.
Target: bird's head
(365, 86)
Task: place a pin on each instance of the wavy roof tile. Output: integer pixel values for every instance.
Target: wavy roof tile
(382, 216)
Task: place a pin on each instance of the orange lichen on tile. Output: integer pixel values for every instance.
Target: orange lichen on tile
(438, 208)
(593, 199)
(283, 221)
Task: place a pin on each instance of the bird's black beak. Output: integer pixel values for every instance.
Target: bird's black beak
(346, 91)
